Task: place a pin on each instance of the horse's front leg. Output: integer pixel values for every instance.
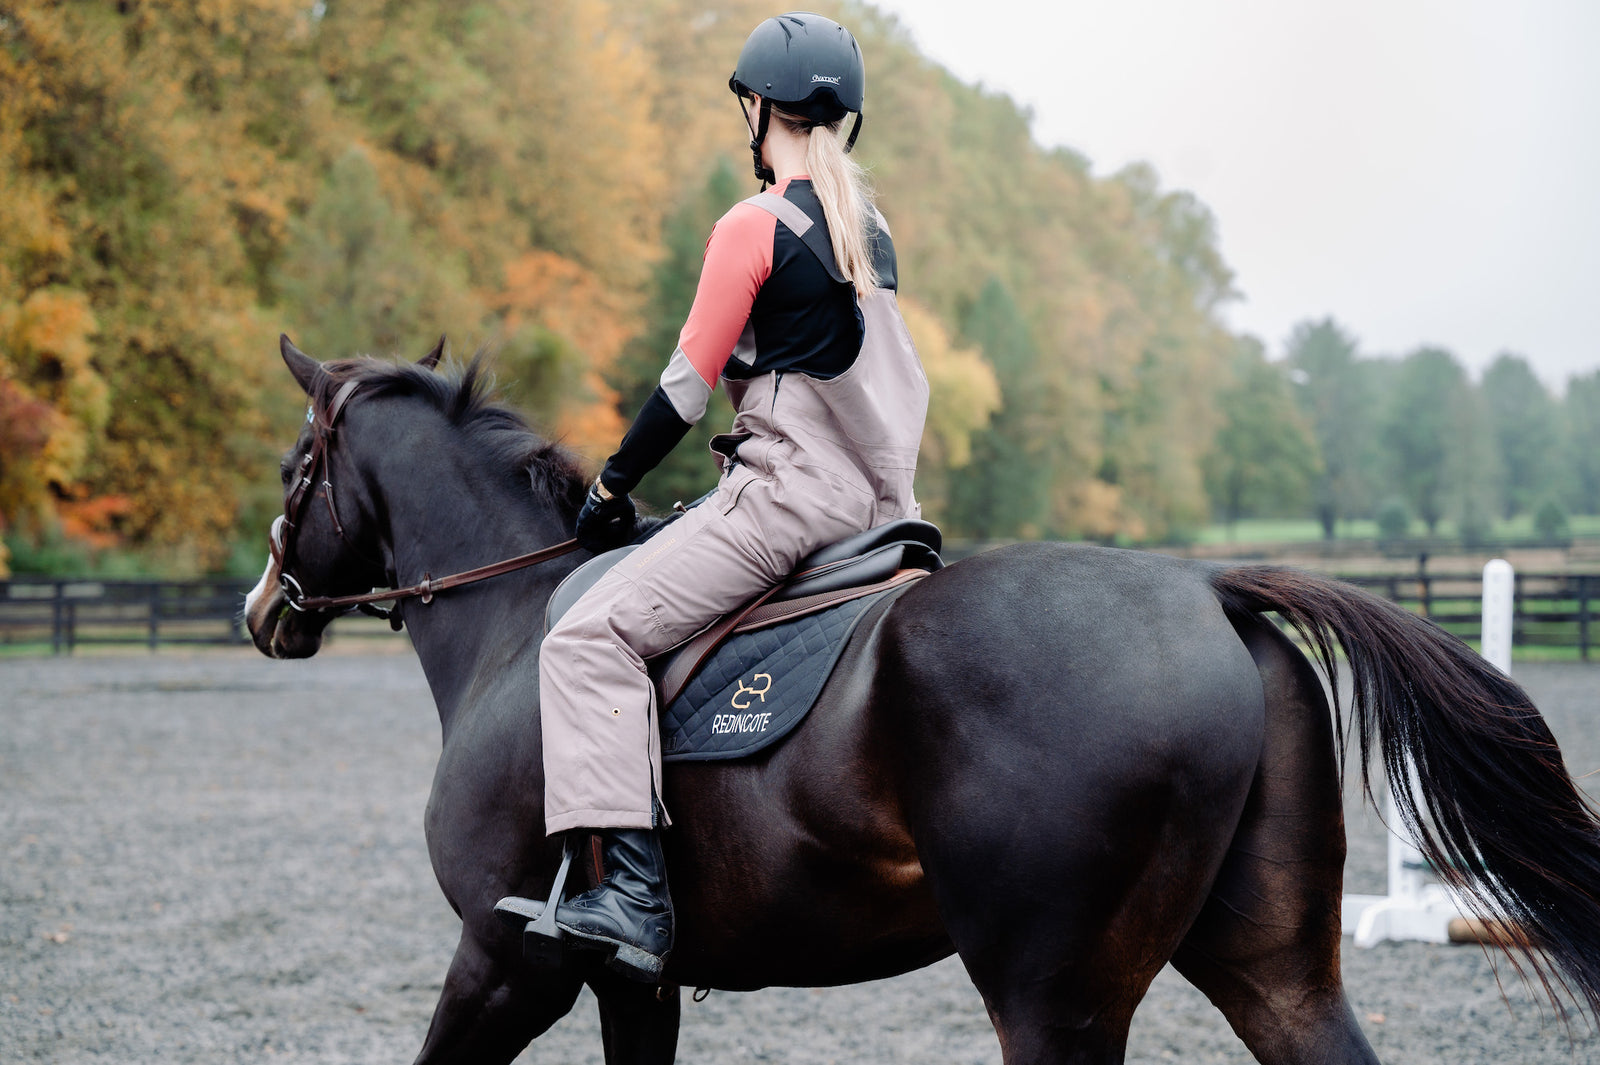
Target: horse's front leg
(487, 1013)
(639, 1022)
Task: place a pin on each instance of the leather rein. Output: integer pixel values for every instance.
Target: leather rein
(315, 460)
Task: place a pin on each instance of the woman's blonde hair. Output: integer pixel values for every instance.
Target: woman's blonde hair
(846, 194)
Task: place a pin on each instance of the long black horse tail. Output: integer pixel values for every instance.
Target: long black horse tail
(1509, 830)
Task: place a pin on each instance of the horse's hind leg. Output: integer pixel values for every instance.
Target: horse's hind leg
(1265, 948)
(1065, 893)
(487, 1014)
(1063, 955)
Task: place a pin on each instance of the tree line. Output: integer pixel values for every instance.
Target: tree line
(179, 182)
(1346, 436)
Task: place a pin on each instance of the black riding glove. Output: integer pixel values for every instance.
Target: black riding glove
(605, 522)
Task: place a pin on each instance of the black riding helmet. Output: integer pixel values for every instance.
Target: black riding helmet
(808, 65)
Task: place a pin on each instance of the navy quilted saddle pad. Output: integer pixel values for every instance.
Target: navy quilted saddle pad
(754, 688)
(757, 687)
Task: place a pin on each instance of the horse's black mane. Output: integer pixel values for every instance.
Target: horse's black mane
(465, 396)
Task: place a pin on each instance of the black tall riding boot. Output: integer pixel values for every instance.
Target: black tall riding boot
(630, 911)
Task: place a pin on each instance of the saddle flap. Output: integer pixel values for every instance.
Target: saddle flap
(874, 566)
(580, 580)
(866, 558)
(906, 530)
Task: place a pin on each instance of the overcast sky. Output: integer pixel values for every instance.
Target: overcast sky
(1425, 171)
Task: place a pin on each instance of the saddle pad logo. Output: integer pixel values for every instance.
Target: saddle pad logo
(760, 684)
(745, 693)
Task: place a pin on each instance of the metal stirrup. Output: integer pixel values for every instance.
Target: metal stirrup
(541, 939)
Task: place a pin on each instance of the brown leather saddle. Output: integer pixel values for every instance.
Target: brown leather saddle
(857, 566)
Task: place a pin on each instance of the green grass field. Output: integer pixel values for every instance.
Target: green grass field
(1295, 531)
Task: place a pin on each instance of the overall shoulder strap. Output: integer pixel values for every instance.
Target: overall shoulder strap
(812, 235)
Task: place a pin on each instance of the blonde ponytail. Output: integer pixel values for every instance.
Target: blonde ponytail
(846, 196)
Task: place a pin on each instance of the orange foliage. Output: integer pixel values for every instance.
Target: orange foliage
(160, 165)
(55, 404)
(553, 292)
(94, 520)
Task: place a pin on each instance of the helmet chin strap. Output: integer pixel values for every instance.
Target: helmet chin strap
(758, 134)
(855, 129)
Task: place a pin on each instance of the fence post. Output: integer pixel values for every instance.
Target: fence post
(1583, 617)
(57, 618)
(154, 600)
(1499, 591)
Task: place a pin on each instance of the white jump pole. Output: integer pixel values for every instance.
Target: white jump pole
(1416, 908)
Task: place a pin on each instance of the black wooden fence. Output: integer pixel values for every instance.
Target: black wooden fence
(64, 614)
(1552, 610)
(1549, 610)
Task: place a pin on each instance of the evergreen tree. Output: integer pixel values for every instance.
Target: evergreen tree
(1331, 389)
(1264, 459)
(1582, 409)
(1428, 434)
(689, 471)
(1004, 490)
(354, 278)
(1525, 430)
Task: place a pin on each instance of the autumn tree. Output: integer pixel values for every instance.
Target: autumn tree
(134, 195)
(366, 176)
(962, 395)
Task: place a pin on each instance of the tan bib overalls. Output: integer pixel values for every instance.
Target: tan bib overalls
(815, 461)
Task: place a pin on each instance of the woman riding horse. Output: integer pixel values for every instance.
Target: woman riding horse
(830, 414)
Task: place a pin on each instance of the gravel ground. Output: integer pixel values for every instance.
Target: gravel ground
(211, 857)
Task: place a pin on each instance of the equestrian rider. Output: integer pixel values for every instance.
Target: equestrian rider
(796, 314)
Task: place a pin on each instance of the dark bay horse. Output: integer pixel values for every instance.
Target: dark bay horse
(1069, 765)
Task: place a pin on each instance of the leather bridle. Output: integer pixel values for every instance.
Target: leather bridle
(279, 539)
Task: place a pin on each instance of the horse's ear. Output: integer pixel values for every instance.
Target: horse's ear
(431, 359)
(303, 366)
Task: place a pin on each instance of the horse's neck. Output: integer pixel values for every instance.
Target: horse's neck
(451, 524)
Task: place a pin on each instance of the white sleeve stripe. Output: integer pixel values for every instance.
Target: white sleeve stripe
(685, 387)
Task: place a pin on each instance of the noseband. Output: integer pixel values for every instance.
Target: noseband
(280, 542)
